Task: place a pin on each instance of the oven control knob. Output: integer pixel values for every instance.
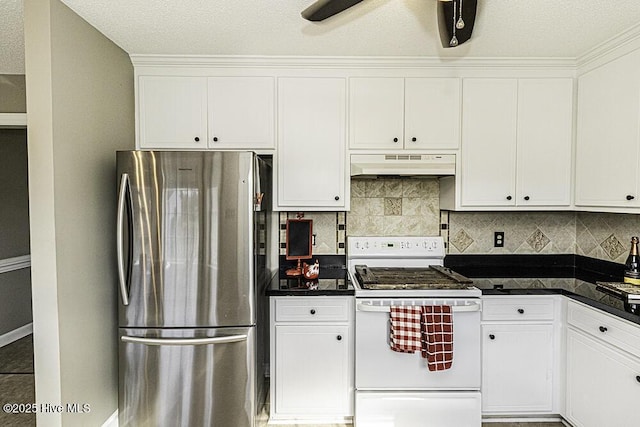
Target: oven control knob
(492, 337)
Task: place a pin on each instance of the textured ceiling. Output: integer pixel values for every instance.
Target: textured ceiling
(11, 37)
(504, 28)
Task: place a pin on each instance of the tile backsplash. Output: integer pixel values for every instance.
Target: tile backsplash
(597, 235)
(393, 206)
(605, 235)
(524, 232)
(329, 232)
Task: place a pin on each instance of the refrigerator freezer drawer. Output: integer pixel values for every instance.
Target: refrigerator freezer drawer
(187, 377)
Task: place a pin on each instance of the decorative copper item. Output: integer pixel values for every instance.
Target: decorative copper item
(311, 272)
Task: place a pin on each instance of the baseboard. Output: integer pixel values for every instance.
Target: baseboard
(112, 421)
(16, 334)
(524, 419)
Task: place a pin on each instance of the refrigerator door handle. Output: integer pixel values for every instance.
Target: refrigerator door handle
(122, 195)
(185, 341)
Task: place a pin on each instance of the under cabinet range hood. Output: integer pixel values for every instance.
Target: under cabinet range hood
(403, 164)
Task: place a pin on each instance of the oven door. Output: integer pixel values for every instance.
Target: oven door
(380, 368)
(397, 389)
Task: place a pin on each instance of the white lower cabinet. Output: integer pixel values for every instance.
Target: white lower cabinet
(518, 367)
(312, 359)
(603, 373)
(520, 355)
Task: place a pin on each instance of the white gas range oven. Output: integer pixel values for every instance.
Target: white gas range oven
(396, 389)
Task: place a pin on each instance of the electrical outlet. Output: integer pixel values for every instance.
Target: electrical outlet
(498, 239)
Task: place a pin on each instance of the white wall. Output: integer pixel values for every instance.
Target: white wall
(80, 111)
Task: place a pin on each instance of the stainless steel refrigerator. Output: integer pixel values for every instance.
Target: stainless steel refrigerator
(193, 264)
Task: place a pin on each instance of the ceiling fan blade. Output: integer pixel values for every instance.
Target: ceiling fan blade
(323, 9)
(446, 23)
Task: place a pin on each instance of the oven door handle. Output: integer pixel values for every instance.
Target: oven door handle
(363, 306)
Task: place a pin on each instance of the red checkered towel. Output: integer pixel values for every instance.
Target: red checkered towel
(404, 331)
(437, 336)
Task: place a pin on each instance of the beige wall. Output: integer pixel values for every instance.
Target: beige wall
(80, 111)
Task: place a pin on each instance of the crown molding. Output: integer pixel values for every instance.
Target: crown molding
(13, 120)
(615, 47)
(338, 62)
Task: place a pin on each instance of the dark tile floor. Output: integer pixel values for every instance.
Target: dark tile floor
(16, 381)
(17, 386)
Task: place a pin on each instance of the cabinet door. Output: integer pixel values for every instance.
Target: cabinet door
(517, 368)
(608, 132)
(376, 112)
(172, 112)
(602, 384)
(545, 120)
(241, 112)
(432, 113)
(311, 143)
(313, 375)
(488, 142)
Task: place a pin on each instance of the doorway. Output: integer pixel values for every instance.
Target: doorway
(16, 330)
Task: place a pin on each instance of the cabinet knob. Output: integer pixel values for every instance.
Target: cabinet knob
(414, 139)
(215, 139)
(526, 197)
(337, 198)
(339, 337)
(603, 329)
(492, 337)
(395, 139)
(313, 311)
(196, 139)
(521, 310)
(638, 378)
(630, 197)
(509, 197)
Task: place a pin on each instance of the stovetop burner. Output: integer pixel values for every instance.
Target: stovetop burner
(432, 277)
(404, 267)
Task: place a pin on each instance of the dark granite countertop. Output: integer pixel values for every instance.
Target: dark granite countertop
(331, 281)
(573, 276)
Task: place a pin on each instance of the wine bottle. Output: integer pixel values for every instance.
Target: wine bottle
(632, 266)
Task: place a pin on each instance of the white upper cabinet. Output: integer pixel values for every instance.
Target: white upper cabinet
(516, 142)
(241, 112)
(432, 113)
(545, 123)
(184, 112)
(311, 155)
(376, 112)
(172, 112)
(404, 113)
(608, 134)
(489, 131)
